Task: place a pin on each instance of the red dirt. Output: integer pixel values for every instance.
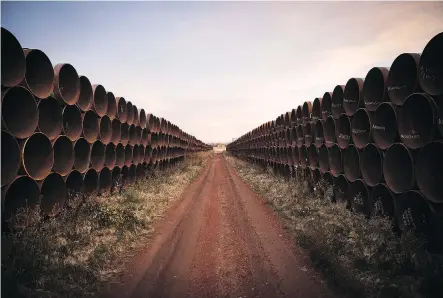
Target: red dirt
(221, 240)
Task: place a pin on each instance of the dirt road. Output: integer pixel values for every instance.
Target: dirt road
(221, 240)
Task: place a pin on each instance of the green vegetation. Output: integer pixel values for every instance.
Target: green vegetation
(83, 250)
(360, 257)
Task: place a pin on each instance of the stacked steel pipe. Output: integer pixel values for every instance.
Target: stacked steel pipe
(63, 137)
(379, 137)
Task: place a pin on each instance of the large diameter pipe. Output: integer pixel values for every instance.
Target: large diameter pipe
(326, 105)
(323, 159)
(418, 120)
(146, 137)
(63, 155)
(361, 128)
(50, 120)
(335, 160)
(300, 136)
(135, 113)
(53, 194)
(295, 156)
(142, 118)
(140, 172)
(429, 173)
(112, 106)
(22, 192)
(375, 88)
(105, 129)
(98, 155)
(299, 115)
(337, 101)
(308, 133)
(90, 180)
(125, 174)
(306, 112)
(72, 122)
(431, 66)
(110, 155)
(116, 131)
(119, 155)
(39, 76)
(90, 126)
(316, 109)
(319, 139)
(340, 187)
(403, 78)
(313, 157)
(136, 154)
(105, 180)
(37, 156)
(13, 60)
(360, 197)
(129, 112)
(116, 178)
(351, 163)
(329, 131)
(353, 96)
(128, 155)
(398, 168)
(148, 154)
(371, 165)
(76, 187)
(121, 109)
(66, 84)
(343, 131)
(383, 201)
(132, 174)
(19, 112)
(303, 157)
(82, 155)
(10, 158)
(86, 95)
(384, 125)
(124, 136)
(412, 211)
(100, 100)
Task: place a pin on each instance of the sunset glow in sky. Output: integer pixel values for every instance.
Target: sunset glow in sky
(220, 69)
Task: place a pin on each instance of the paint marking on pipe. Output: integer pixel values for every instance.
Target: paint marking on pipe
(396, 88)
(348, 100)
(410, 137)
(377, 127)
(359, 131)
(336, 105)
(341, 136)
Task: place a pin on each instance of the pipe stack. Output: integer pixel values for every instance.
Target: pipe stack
(63, 137)
(378, 137)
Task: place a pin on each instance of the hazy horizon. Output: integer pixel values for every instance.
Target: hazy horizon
(220, 69)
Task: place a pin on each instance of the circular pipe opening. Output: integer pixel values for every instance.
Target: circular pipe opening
(135, 113)
(384, 125)
(398, 168)
(361, 128)
(105, 180)
(132, 134)
(416, 129)
(142, 119)
(359, 195)
(412, 212)
(351, 163)
(383, 201)
(72, 122)
(303, 157)
(306, 111)
(105, 129)
(90, 180)
(313, 157)
(66, 84)
(146, 137)
(136, 154)
(116, 178)
(13, 60)
(329, 131)
(121, 109)
(100, 100)
(129, 113)
(341, 186)
(371, 165)
(110, 155)
(86, 97)
(19, 112)
(429, 172)
(148, 154)
(140, 172)
(75, 186)
(352, 96)
(128, 155)
(82, 155)
(23, 192)
(39, 76)
(124, 134)
(343, 131)
(119, 155)
(308, 134)
(98, 155)
(335, 160)
(403, 77)
(326, 105)
(337, 101)
(112, 106)
(38, 156)
(374, 88)
(116, 131)
(90, 126)
(319, 135)
(316, 109)
(54, 194)
(63, 156)
(323, 158)
(132, 174)
(430, 66)
(300, 136)
(10, 158)
(50, 117)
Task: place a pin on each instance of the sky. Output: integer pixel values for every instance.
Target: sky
(220, 69)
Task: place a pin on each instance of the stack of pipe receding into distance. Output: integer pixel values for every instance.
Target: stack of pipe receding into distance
(63, 138)
(376, 140)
